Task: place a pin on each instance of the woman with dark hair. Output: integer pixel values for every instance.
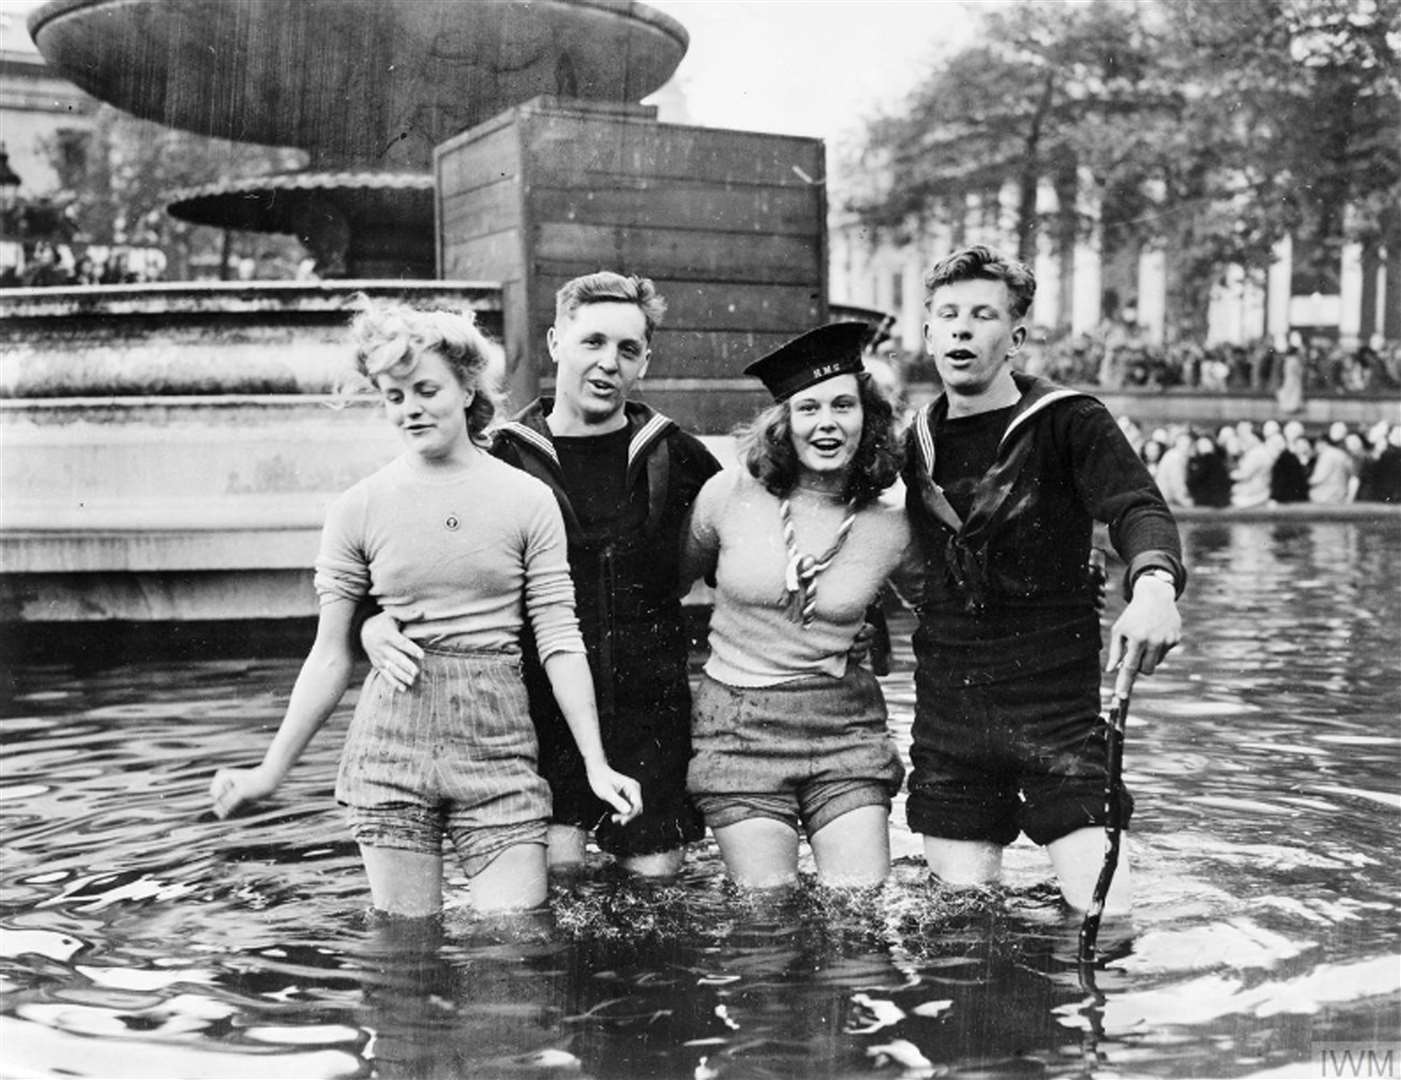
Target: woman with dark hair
(789, 732)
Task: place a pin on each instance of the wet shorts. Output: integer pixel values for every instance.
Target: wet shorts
(453, 756)
(414, 827)
(805, 751)
(645, 723)
(806, 808)
(996, 759)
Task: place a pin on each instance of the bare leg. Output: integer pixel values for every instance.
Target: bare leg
(566, 847)
(1077, 859)
(567, 844)
(408, 883)
(660, 864)
(854, 849)
(516, 880)
(759, 853)
(963, 862)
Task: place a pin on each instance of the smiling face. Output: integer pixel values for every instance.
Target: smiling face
(826, 421)
(600, 351)
(428, 405)
(971, 336)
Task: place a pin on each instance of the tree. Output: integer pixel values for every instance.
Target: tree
(1047, 90)
(1211, 129)
(117, 177)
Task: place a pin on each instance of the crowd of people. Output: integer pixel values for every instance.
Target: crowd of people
(1277, 463)
(59, 266)
(501, 700)
(1117, 356)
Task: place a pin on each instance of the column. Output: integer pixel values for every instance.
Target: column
(1350, 283)
(1008, 203)
(1277, 290)
(1225, 312)
(1046, 309)
(1152, 293)
(1085, 299)
(1391, 293)
(1371, 291)
(1252, 299)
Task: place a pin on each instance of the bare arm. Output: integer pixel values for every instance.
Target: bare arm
(700, 536)
(698, 559)
(572, 683)
(318, 690)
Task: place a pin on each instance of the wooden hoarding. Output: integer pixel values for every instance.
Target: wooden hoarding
(731, 225)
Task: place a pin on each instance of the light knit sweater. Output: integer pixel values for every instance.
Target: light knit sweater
(736, 531)
(460, 560)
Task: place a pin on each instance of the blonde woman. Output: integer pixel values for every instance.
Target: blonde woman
(460, 549)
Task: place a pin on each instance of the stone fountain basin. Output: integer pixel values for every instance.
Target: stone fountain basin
(167, 452)
(353, 81)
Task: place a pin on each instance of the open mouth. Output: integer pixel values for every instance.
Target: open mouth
(961, 355)
(826, 446)
(601, 387)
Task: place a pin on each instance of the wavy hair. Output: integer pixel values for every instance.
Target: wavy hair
(766, 448)
(983, 262)
(391, 336)
(605, 286)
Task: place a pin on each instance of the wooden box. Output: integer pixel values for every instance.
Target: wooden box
(731, 225)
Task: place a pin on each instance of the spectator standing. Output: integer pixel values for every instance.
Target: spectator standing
(1250, 479)
(1385, 474)
(1333, 479)
(1171, 475)
(1152, 456)
(1289, 476)
(1208, 474)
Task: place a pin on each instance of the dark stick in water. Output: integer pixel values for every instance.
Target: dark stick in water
(1113, 792)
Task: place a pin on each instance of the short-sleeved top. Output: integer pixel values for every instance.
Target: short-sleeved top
(460, 560)
(736, 528)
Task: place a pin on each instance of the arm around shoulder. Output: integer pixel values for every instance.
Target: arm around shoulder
(700, 539)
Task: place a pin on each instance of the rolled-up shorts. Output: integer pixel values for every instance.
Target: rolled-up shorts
(997, 758)
(803, 752)
(453, 756)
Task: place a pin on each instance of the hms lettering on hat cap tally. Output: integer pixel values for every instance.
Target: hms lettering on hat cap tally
(812, 357)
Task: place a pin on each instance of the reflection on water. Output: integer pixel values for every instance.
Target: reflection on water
(140, 938)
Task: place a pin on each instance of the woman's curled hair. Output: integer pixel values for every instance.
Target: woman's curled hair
(766, 448)
(389, 335)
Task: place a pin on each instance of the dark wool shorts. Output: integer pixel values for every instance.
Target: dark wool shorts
(806, 750)
(646, 730)
(452, 756)
(998, 758)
